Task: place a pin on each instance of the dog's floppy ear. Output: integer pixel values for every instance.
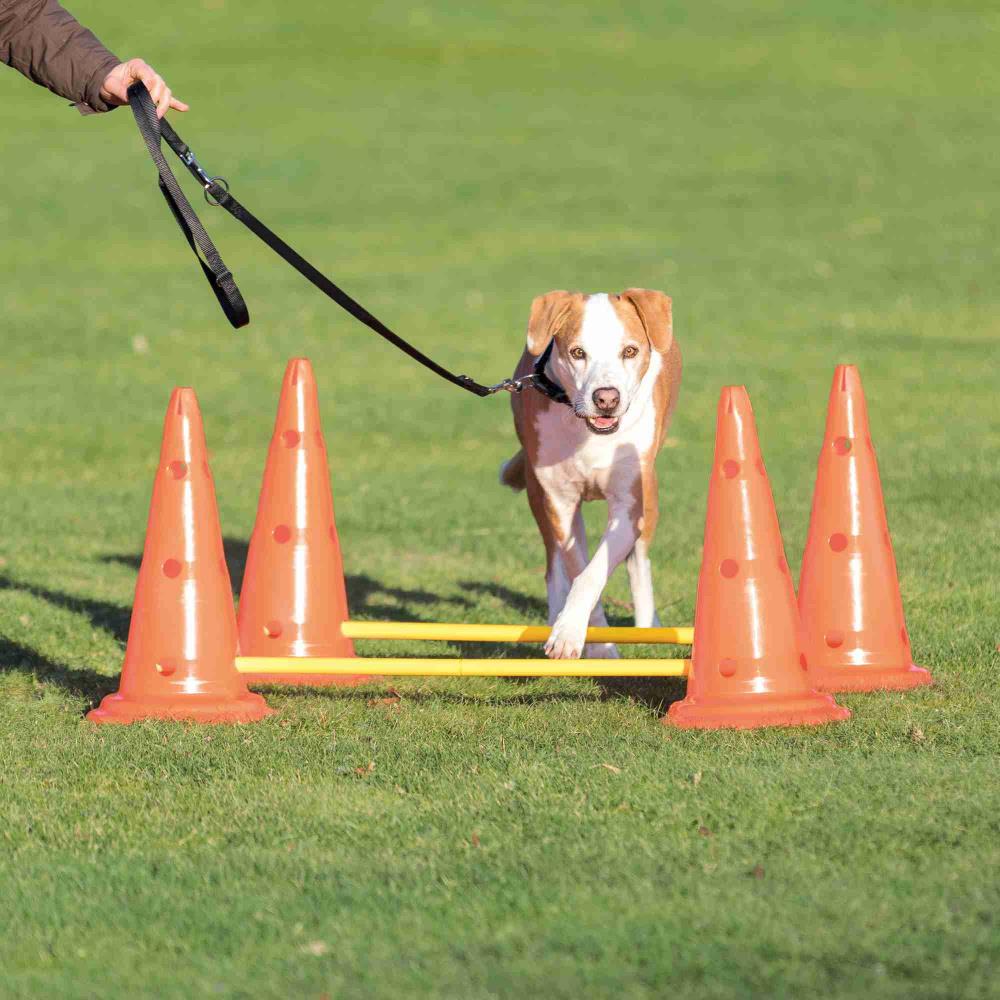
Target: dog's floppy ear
(548, 313)
(654, 309)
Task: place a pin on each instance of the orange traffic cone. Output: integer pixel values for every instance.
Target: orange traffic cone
(852, 615)
(747, 668)
(294, 600)
(182, 640)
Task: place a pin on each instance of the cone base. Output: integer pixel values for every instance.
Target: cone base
(833, 679)
(757, 711)
(119, 709)
(306, 679)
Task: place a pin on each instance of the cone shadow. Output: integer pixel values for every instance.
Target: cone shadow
(522, 605)
(366, 596)
(104, 615)
(460, 697)
(655, 694)
(85, 684)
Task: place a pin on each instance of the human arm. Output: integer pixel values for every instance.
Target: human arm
(42, 40)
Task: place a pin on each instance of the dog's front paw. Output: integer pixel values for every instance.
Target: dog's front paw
(567, 638)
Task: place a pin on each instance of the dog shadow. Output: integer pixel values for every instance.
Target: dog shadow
(655, 694)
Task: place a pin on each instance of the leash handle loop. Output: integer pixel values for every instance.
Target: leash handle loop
(219, 277)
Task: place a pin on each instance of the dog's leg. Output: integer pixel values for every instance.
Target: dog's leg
(565, 546)
(578, 559)
(640, 573)
(600, 650)
(640, 579)
(619, 538)
(557, 584)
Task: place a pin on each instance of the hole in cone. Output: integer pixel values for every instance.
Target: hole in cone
(172, 568)
(727, 667)
(838, 541)
(834, 638)
(178, 469)
(803, 662)
(166, 667)
(282, 534)
(730, 468)
(291, 438)
(272, 629)
(729, 568)
(842, 445)
(904, 636)
(782, 564)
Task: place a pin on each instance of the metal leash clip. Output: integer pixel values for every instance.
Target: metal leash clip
(512, 385)
(191, 162)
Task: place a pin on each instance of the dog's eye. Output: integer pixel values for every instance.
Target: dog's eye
(630, 352)
(578, 353)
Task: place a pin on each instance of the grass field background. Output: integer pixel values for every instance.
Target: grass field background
(814, 183)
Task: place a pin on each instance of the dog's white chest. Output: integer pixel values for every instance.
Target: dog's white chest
(573, 461)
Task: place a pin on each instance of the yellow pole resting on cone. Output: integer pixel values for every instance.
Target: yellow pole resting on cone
(443, 667)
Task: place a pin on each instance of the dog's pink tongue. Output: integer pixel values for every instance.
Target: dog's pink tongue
(604, 421)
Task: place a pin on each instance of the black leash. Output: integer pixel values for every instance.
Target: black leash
(221, 280)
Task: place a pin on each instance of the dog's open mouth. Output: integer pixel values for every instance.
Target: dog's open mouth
(602, 425)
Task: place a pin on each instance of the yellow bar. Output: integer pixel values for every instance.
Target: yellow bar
(442, 667)
(463, 632)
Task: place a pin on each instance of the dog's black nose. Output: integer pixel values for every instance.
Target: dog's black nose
(606, 398)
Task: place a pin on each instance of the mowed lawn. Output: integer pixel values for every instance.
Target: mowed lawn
(814, 183)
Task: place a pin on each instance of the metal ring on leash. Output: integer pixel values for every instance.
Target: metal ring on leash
(223, 183)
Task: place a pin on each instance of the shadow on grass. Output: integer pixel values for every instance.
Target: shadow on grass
(377, 693)
(87, 684)
(536, 608)
(364, 593)
(366, 596)
(522, 605)
(112, 618)
(654, 693)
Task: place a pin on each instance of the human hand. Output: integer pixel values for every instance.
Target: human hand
(114, 90)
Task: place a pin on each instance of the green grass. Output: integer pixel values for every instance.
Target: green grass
(814, 183)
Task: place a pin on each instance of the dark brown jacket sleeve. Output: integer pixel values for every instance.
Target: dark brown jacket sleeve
(48, 45)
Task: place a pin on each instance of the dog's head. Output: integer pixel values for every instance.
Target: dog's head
(603, 347)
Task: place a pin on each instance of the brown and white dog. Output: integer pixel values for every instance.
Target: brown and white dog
(616, 359)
